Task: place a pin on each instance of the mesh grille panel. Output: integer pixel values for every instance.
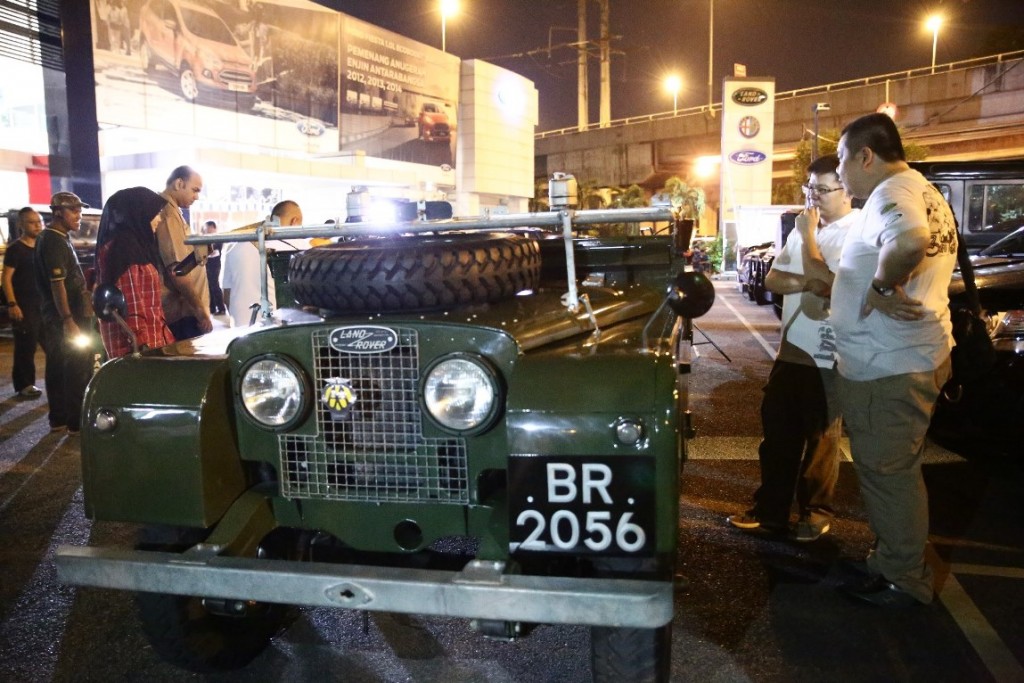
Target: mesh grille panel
(373, 450)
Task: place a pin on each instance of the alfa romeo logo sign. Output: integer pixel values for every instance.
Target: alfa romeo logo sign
(749, 127)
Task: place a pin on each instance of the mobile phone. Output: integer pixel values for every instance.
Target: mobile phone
(185, 265)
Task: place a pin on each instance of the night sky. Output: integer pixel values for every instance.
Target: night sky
(800, 43)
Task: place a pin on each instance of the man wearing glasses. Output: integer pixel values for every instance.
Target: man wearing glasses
(799, 453)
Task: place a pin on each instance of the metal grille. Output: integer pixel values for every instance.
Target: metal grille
(375, 450)
(230, 76)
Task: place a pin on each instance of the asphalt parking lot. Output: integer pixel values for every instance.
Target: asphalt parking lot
(752, 608)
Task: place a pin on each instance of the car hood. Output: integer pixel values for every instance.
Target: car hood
(1000, 282)
(534, 320)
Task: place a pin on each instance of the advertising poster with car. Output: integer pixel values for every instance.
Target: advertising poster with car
(288, 75)
(244, 72)
(398, 97)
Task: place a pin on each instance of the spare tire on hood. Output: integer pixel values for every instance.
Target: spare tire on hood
(410, 273)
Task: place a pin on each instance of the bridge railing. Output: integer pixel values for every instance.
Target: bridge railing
(788, 94)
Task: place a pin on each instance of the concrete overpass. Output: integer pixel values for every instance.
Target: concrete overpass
(965, 110)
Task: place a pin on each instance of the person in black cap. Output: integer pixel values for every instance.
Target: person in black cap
(66, 313)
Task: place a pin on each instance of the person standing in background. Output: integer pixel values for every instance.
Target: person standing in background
(23, 303)
(186, 293)
(241, 275)
(128, 258)
(67, 314)
(213, 271)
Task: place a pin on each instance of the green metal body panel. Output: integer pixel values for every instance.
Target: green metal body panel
(172, 458)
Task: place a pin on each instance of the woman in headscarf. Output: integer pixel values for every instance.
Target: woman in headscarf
(128, 258)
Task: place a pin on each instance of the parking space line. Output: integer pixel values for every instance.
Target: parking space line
(769, 349)
(996, 656)
(987, 570)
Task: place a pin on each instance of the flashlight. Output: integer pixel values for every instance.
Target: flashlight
(81, 341)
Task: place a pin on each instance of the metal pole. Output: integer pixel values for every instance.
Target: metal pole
(711, 50)
(444, 44)
(675, 103)
(935, 43)
(814, 145)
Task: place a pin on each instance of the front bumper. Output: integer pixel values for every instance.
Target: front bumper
(480, 591)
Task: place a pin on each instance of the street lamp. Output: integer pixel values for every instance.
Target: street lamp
(672, 85)
(448, 9)
(818, 106)
(933, 24)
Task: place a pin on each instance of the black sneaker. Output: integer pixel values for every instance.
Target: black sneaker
(806, 530)
(878, 591)
(748, 521)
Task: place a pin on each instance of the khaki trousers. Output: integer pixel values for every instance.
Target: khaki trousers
(886, 420)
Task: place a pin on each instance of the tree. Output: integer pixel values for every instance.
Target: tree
(688, 200)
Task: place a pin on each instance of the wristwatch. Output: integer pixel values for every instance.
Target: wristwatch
(883, 291)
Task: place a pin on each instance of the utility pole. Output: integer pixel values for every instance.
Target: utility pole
(711, 53)
(606, 67)
(583, 85)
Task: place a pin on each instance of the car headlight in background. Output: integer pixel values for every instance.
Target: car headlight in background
(461, 393)
(273, 392)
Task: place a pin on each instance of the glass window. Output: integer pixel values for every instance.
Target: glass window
(995, 206)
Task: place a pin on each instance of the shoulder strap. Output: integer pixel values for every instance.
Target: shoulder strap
(966, 271)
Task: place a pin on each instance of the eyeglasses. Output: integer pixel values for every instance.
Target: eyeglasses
(819, 190)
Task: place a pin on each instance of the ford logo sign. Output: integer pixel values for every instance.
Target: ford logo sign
(747, 157)
(363, 339)
(749, 97)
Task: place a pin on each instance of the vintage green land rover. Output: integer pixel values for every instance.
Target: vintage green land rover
(479, 418)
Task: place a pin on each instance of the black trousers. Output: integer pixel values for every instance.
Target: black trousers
(28, 335)
(216, 293)
(799, 453)
(68, 370)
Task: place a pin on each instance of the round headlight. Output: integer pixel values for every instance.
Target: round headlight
(272, 392)
(460, 393)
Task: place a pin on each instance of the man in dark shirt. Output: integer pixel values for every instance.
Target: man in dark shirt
(213, 272)
(67, 315)
(23, 303)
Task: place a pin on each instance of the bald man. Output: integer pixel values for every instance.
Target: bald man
(240, 270)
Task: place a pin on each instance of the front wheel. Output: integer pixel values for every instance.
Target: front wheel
(631, 655)
(189, 85)
(200, 635)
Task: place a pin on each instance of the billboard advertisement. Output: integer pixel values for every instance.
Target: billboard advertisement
(398, 97)
(287, 76)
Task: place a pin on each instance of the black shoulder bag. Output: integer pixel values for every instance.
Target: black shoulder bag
(973, 356)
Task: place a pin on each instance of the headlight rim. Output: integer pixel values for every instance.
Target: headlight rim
(305, 392)
(497, 385)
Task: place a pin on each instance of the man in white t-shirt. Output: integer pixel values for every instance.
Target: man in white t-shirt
(240, 270)
(890, 310)
(799, 453)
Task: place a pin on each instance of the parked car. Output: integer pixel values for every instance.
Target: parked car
(987, 197)
(754, 263)
(986, 417)
(403, 448)
(433, 123)
(195, 44)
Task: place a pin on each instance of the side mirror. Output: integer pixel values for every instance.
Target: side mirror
(109, 305)
(691, 295)
(107, 300)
